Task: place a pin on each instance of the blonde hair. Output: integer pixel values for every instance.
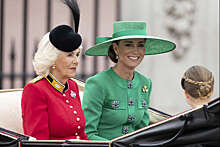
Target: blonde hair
(198, 82)
(45, 56)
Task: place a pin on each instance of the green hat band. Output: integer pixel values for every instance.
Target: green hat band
(129, 33)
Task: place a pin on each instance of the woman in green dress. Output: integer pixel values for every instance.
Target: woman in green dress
(116, 101)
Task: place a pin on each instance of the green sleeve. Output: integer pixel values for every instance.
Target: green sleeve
(93, 99)
(146, 119)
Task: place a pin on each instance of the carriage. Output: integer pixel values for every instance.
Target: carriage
(193, 127)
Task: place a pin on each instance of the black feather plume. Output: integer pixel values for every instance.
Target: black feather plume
(72, 4)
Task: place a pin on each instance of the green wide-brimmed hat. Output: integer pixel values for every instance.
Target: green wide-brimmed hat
(131, 30)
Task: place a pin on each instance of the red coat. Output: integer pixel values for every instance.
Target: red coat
(49, 114)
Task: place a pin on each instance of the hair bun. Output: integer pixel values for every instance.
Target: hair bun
(204, 89)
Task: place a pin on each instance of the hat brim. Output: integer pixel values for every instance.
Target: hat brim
(153, 45)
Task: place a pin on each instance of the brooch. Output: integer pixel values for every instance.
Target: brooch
(72, 94)
(145, 89)
(115, 104)
(144, 103)
(125, 130)
(130, 102)
(130, 117)
(129, 84)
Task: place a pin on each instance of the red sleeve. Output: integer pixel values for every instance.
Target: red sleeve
(34, 112)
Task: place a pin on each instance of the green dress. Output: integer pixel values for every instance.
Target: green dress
(113, 106)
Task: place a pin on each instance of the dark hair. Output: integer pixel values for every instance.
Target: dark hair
(198, 82)
(111, 53)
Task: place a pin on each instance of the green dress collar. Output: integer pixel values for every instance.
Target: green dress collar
(122, 82)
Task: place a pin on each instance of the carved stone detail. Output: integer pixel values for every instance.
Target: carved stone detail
(180, 20)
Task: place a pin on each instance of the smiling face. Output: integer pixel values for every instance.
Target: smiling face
(130, 52)
(65, 65)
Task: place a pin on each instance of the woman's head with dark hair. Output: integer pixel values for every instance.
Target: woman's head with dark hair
(198, 83)
(127, 52)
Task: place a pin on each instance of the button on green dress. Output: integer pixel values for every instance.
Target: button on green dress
(113, 106)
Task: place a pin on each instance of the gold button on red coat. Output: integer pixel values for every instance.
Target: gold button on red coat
(67, 101)
(71, 107)
(78, 127)
(77, 119)
(77, 137)
(64, 94)
(76, 134)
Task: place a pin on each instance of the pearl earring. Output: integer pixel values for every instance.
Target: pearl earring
(116, 56)
(54, 66)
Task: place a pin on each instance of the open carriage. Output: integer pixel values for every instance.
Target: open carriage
(192, 127)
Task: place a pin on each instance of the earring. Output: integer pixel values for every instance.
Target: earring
(54, 66)
(116, 56)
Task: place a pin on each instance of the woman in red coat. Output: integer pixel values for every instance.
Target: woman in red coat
(51, 107)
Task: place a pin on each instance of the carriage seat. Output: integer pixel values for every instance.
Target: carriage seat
(10, 109)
